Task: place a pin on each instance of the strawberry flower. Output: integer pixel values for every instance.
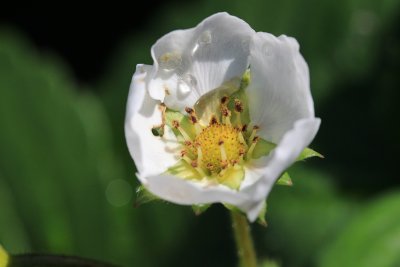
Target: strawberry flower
(220, 115)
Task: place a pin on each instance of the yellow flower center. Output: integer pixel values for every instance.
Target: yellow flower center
(219, 146)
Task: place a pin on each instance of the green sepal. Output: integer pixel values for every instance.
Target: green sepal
(184, 122)
(144, 196)
(199, 209)
(308, 153)
(245, 79)
(261, 219)
(232, 177)
(232, 208)
(285, 180)
(183, 170)
(263, 148)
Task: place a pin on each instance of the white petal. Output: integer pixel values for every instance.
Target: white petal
(202, 58)
(251, 196)
(186, 192)
(266, 170)
(279, 91)
(152, 155)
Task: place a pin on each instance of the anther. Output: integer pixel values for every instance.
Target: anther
(226, 114)
(209, 166)
(183, 153)
(194, 163)
(188, 143)
(224, 100)
(193, 119)
(196, 166)
(225, 111)
(244, 127)
(213, 120)
(224, 164)
(175, 124)
(189, 110)
(238, 106)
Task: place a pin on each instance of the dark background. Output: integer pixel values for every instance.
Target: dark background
(64, 77)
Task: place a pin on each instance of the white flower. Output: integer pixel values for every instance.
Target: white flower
(220, 115)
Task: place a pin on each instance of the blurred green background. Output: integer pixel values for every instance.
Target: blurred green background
(67, 182)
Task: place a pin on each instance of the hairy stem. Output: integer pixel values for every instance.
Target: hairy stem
(244, 242)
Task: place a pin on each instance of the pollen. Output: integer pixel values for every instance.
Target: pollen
(220, 145)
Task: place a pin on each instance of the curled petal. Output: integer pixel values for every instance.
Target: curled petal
(279, 90)
(262, 174)
(152, 154)
(194, 61)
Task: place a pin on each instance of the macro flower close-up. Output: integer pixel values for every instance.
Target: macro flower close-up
(220, 115)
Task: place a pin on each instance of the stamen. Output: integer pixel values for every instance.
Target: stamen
(222, 149)
(224, 164)
(199, 154)
(189, 110)
(196, 166)
(238, 119)
(226, 114)
(253, 145)
(183, 153)
(188, 143)
(176, 125)
(241, 139)
(158, 130)
(242, 152)
(238, 106)
(253, 133)
(244, 127)
(210, 166)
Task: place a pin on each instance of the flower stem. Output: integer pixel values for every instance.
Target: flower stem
(244, 242)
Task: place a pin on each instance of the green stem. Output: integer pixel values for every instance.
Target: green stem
(244, 242)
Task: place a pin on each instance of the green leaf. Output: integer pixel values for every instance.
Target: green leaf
(285, 180)
(308, 153)
(261, 219)
(370, 239)
(56, 160)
